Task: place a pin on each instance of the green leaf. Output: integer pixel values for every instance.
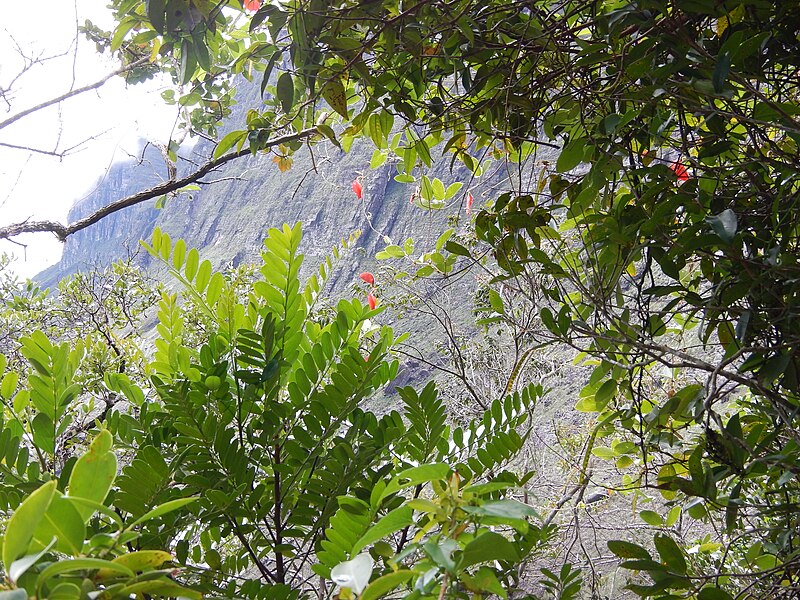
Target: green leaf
(375, 133)
(43, 436)
(17, 594)
(80, 564)
(163, 509)
(488, 547)
(156, 13)
(96, 507)
(285, 92)
(440, 551)
(21, 400)
(651, 518)
(334, 94)
(203, 276)
(423, 152)
(481, 489)
(484, 580)
(94, 473)
(393, 521)
(8, 385)
(572, 155)
(192, 262)
(724, 225)
(188, 62)
(415, 476)
(19, 566)
(673, 516)
(643, 565)
(713, 593)
(179, 254)
(670, 553)
(23, 523)
(137, 561)
(378, 158)
(625, 549)
(438, 188)
(456, 248)
(63, 521)
(385, 584)
(509, 509)
(452, 189)
(66, 590)
(496, 302)
(394, 251)
(328, 132)
(604, 452)
(225, 144)
(163, 588)
(721, 71)
(442, 239)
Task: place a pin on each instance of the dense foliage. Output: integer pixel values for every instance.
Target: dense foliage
(662, 244)
(248, 462)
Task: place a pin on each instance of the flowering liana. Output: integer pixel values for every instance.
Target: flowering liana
(469, 203)
(252, 5)
(359, 191)
(367, 277)
(372, 301)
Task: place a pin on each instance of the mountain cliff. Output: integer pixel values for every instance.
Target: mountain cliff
(228, 218)
(230, 215)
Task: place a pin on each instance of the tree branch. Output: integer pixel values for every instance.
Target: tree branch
(34, 150)
(63, 231)
(71, 93)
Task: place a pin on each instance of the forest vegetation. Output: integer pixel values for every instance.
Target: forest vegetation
(236, 456)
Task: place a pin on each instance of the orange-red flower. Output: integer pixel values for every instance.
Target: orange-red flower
(359, 191)
(681, 171)
(252, 5)
(367, 277)
(469, 203)
(371, 301)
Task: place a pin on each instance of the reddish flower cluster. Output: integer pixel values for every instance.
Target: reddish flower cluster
(359, 191)
(369, 279)
(681, 171)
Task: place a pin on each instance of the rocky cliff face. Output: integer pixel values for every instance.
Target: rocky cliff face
(230, 216)
(114, 237)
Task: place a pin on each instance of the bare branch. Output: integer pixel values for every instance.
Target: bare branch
(75, 92)
(34, 150)
(62, 231)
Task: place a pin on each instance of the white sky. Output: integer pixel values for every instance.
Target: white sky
(38, 187)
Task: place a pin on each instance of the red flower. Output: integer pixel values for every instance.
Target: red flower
(368, 277)
(371, 301)
(681, 171)
(357, 188)
(469, 203)
(252, 5)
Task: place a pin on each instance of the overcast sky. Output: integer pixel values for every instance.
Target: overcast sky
(100, 127)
